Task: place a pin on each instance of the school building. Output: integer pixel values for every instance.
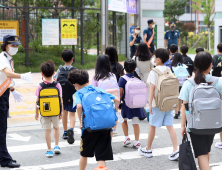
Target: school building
(218, 24)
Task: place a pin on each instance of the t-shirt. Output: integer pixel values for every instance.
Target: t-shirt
(188, 86)
(58, 71)
(5, 62)
(153, 79)
(46, 82)
(95, 83)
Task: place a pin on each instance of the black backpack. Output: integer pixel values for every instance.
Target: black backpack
(67, 88)
(189, 63)
(115, 71)
(217, 69)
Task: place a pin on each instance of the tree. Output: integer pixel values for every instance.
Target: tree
(207, 7)
(174, 9)
(187, 27)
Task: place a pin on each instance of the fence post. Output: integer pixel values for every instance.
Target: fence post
(27, 36)
(126, 34)
(98, 35)
(81, 14)
(73, 47)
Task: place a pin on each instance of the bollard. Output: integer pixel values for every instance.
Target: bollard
(101, 168)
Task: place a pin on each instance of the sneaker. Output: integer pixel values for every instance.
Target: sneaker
(71, 139)
(176, 116)
(114, 132)
(174, 156)
(65, 135)
(137, 146)
(218, 145)
(57, 150)
(126, 142)
(49, 154)
(144, 152)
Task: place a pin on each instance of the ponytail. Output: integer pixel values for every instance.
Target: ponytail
(199, 77)
(136, 75)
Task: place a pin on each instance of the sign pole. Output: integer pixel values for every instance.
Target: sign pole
(82, 32)
(103, 28)
(73, 47)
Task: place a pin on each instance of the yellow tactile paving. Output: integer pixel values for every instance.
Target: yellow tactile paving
(29, 90)
(21, 120)
(22, 112)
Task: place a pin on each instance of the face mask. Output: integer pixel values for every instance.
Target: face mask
(137, 31)
(153, 25)
(12, 50)
(172, 28)
(152, 61)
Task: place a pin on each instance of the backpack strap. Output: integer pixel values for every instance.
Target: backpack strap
(157, 71)
(43, 85)
(213, 80)
(126, 78)
(61, 68)
(191, 80)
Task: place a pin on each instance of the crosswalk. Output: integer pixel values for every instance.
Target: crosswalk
(122, 155)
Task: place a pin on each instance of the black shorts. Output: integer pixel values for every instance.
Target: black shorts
(201, 144)
(98, 143)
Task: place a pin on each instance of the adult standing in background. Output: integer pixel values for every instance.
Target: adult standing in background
(148, 35)
(172, 36)
(134, 41)
(9, 49)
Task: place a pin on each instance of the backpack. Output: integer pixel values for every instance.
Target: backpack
(98, 111)
(217, 65)
(168, 63)
(167, 91)
(135, 92)
(189, 63)
(115, 71)
(67, 88)
(49, 100)
(205, 117)
(110, 85)
(181, 74)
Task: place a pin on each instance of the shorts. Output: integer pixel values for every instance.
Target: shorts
(158, 118)
(201, 144)
(135, 120)
(98, 143)
(69, 108)
(47, 121)
(180, 88)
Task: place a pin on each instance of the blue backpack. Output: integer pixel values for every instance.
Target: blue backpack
(98, 111)
(181, 73)
(168, 63)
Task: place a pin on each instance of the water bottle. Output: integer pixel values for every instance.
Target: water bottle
(120, 118)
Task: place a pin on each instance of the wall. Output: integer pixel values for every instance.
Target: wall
(218, 23)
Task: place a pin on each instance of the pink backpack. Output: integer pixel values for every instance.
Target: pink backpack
(135, 92)
(110, 85)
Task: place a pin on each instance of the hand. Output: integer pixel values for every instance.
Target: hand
(12, 89)
(150, 109)
(17, 96)
(60, 115)
(183, 130)
(134, 36)
(145, 36)
(36, 116)
(27, 77)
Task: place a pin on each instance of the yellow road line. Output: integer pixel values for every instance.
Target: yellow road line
(22, 112)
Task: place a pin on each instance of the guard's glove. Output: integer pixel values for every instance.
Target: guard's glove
(27, 77)
(17, 96)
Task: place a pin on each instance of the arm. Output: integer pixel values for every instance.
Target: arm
(133, 41)
(36, 110)
(60, 115)
(121, 92)
(79, 112)
(151, 96)
(10, 74)
(165, 43)
(116, 101)
(178, 42)
(183, 119)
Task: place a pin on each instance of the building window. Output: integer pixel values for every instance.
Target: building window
(187, 8)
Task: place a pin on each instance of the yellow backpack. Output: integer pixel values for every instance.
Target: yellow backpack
(49, 100)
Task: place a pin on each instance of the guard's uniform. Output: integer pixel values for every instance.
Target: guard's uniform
(135, 45)
(6, 61)
(149, 32)
(172, 37)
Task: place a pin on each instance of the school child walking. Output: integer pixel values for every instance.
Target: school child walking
(159, 118)
(128, 113)
(202, 142)
(48, 70)
(68, 90)
(95, 137)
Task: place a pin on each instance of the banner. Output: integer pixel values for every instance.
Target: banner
(4, 86)
(8, 27)
(131, 6)
(68, 31)
(50, 31)
(126, 6)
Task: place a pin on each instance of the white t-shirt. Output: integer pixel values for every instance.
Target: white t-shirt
(153, 78)
(5, 63)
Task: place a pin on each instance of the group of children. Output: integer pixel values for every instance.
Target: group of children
(108, 68)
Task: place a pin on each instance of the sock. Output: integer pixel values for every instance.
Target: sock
(126, 137)
(136, 142)
(71, 128)
(179, 113)
(65, 131)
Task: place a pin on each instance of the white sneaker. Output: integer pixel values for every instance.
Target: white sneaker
(144, 152)
(218, 145)
(138, 145)
(174, 156)
(126, 142)
(114, 132)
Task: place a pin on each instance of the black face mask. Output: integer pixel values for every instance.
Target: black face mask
(172, 27)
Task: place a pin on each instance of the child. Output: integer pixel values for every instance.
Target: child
(97, 142)
(187, 60)
(48, 70)
(127, 113)
(217, 62)
(68, 91)
(201, 143)
(158, 118)
(199, 49)
(103, 72)
(173, 49)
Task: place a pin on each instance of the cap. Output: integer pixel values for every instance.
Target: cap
(137, 27)
(150, 21)
(11, 39)
(172, 24)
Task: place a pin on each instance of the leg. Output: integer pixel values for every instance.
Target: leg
(64, 119)
(72, 119)
(48, 138)
(220, 136)
(151, 136)
(173, 137)
(125, 128)
(101, 163)
(56, 136)
(82, 163)
(209, 156)
(203, 162)
(136, 131)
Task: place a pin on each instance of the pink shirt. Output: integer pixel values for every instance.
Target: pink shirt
(95, 83)
(40, 87)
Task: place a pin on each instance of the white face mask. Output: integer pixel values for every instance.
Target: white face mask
(12, 50)
(153, 25)
(152, 61)
(137, 31)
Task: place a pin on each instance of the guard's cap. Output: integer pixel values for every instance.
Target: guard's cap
(137, 27)
(172, 24)
(150, 21)
(11, 39)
